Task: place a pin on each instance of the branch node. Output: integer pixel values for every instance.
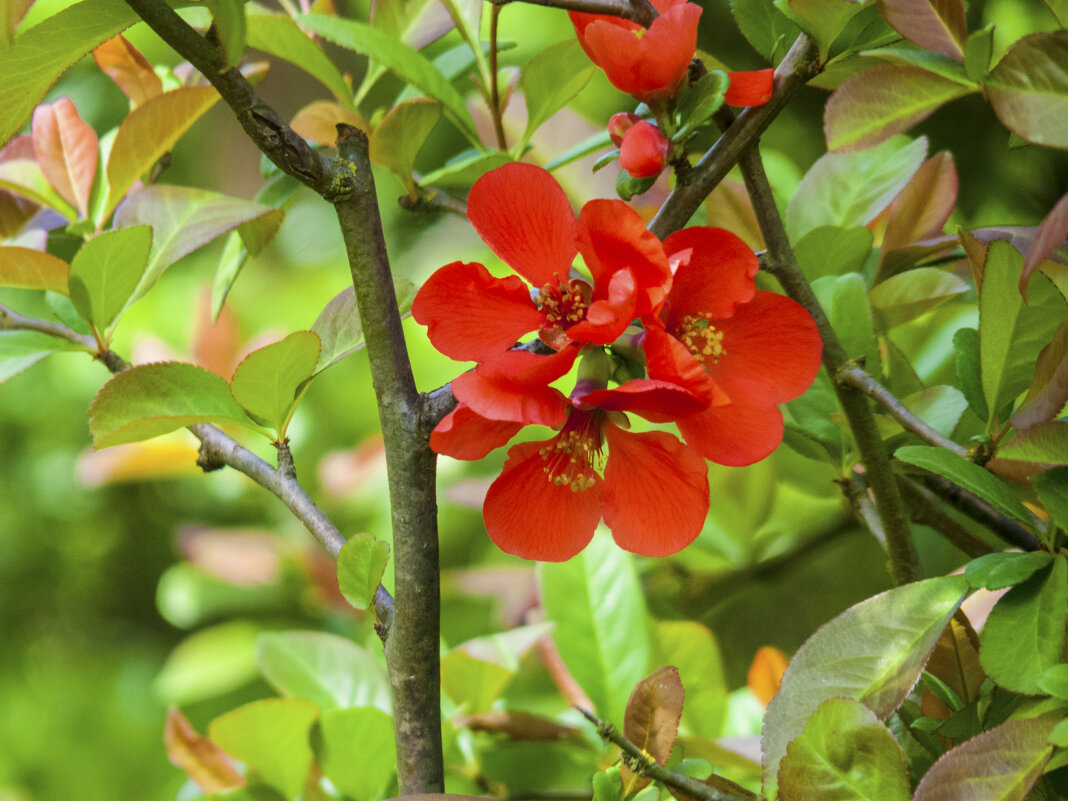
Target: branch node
(286, 467)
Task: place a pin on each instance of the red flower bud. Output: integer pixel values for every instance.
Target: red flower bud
(643, 150)
(619, 124)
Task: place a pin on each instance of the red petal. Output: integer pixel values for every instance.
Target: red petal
(772, 350)
(751, 88)
(462, 434)
(658, 401)
(716, 278)
(612, 236)
(521, 212)
(529, 516)
(642, 150)
(470, 315)
(735, 434)
(514, 387)
(668, 360)
(655, 492)
(607, 318)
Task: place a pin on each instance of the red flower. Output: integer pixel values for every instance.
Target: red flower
(643, 150)
(740, 349)
(523, 215)
(647, 64)
(750, 88)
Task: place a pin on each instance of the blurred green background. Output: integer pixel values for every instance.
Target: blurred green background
(109, 563)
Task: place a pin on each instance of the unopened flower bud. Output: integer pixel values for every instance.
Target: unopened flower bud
(643, 150)
(619, 124)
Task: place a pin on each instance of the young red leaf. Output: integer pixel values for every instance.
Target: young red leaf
(921, 210)
(935, 25)
(955, 660)
(131, 72)
(203, 761)
(652, 719)
(1050, 235)
(1049, 388)
(67, 151)
(1029, 89)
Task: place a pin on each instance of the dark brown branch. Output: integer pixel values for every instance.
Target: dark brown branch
(927, 511)
(641, 11)
(797, 68)
(982, 512)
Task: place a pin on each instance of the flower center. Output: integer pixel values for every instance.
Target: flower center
(571, 455)
(565, 303)
(701, 338)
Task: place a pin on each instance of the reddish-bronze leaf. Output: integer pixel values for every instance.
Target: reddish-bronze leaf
(517, 725)
(1050, 236)
(131, 72)
(203, 761)
(765, 673)
(955, 660)
(654, 711)
(920, 211)
(15, 212)
(935, 25)
(67, 151)
(1049, 388)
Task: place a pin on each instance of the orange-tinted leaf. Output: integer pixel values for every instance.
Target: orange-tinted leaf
(131, 72)
(1028, 89)
(935, 25)
(653, 713)
(204, 762)
(24, 268)
(317, 121)
(166, 457)
(955, 660)
(216, 342)
(517, 726)
(765, 673)
(1050, 236)
(237, 556)
(67, 151)
(1049, 388)
(924, 205)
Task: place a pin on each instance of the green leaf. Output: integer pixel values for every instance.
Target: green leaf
(409, 64)
(1055, 682)
(849, 189)
(995, 571)
(44, 52)
(998, 765)
(1048, 393)
(889, 636)
(462, 172)
(25, 268)
(549, 82)
(339, 326)
(213, 661)
(272, 738)
(466, 15)
(1012, 333)
(1052, 489)
(1024, 633)
(152, 399)
(184, 218)
(228, 16)
(769, 31)
(472, 683)
(592, 144)
(149, 131)
(968, 475)
(333, 672)
(280, 36)
(883, 101)
(365, 733)
(934, 63)
(20, 350)
(935, 25)
(825, 19)
(596, 603)
(693, 649)
(1046, 443)
(360, 567)
(105, 272)
(977, 52)
(268, 381)
(844, 754)
(969, 374)
(845, 299)
(830, 250)
(940, 407)
(24, 177)
(701, 101)
(908, 295)
(400, 136)
(1029, 89)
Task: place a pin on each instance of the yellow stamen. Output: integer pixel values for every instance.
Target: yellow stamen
(701, 338)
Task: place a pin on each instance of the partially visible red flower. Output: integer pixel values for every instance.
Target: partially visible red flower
(647, 64)
(619, 124)
(643, 150)
(751, 88)
(741, 349)
(523, 215)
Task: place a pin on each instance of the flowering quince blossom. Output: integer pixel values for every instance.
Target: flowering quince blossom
(646, 64)
(741, 349)
(523, 215)
(751, 88)
(643, 150)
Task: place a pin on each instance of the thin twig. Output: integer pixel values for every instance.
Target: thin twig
(856, 492)
(641, 11)
(851, 374)
(495, 94)
(981, 512)
(643, 764)
(927, 511)
(430, 199)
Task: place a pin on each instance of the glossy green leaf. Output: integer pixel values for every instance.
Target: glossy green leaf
(280, 36)
(969, 371)
(152, 399)
(1012, 333)
(908, 295)
(824, 19)
(360, 567)
(1029, 89)
(1052, 489)
(1055, 681)
(1001, 764)
(41, 54)
(208, 663)
(339, 326)
(1046, 443)
(935, 25)
(849, 189)
(228, 17)
(20, 350)
(272, 738)
(184, 218)
(934, 63)
(889, 636)
(995, 571)
(940, 407)
(268, 380)
(968, 475)
(550, 81)
(830, 250)
(332, 671)
(149, 131)
(977, 52)
(701, 101)
(598, 141)
(1024, 633)
(882, 102)
(471, 683)
(355, 751)
(25, 268)
(845, 299)
(845, 753)
(409, 64)
(693, 649)
(105, 272)
(596, 603)
(462, 172)
(400, 136)
(768, 30)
